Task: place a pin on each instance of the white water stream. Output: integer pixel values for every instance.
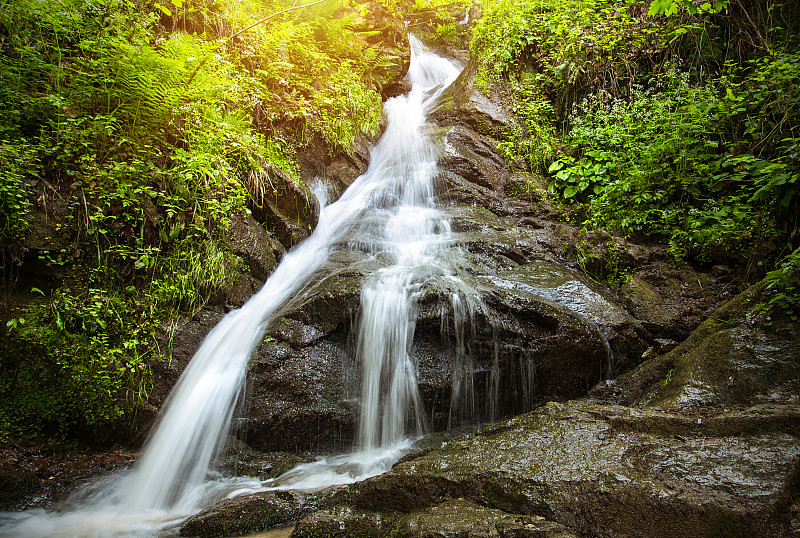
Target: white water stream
(389, 211)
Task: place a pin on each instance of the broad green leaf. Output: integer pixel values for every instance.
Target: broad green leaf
(163, 9)
(657, 7)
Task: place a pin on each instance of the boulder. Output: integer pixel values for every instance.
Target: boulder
(707, 443)
(625, 337)
(259, 250)
(602, 470)
(737, 357)
(532, 332)
(450, 519)
(472, 171)
(671, 300)
(484, 112)
(248, 514)
(285, 205)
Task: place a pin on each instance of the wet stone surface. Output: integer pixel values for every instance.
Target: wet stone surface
(248, 514)
(568, 463)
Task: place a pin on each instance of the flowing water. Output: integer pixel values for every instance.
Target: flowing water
(389, 211)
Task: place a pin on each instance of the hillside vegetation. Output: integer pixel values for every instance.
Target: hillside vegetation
(674, 121)
(132, 132)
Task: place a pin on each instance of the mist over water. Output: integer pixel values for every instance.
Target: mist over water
(387, 211)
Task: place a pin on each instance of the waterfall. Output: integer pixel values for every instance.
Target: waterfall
(390, 211)
(412, 232)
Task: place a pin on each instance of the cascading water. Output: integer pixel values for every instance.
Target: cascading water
(413, 232)
(390, 210)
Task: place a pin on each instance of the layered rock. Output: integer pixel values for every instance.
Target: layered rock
(694, 453)
(472, 171)
(602, 470)
(531, 330)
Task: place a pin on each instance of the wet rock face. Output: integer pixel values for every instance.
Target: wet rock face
(248, 239)
(600, 470)
(317, 161)
(287, 208)
(450, 519)
(247, 514)
(520, 349)
(671, 301)
(297, 399)
(532, 331)
(472, 157)
(472, 171)
(736, 357)
(463, 104)
(301, 386)
(694, 453)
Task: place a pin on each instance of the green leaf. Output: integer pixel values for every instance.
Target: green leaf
(163, 9)
(659, 7)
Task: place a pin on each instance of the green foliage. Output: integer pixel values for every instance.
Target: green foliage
(92, 352)
(671, 119)
(442, 22)
(335, 122)
(783, 287)
(532, 147)
(154, 123)
(668, 160)
(552, 53)
(671, 7)
(561, 44)
(18, 162)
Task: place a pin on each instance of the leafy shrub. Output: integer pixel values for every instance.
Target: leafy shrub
(80, 360)
(664, 162)
(18, 162)
(570, 46)
(783, 287)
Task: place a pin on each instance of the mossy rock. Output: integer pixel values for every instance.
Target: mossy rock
(345, 523)
(457, 518)
(601, 470)
(15, 486)
(247, 514)
(736, 357)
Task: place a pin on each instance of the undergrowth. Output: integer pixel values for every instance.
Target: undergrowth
(670, 120)
(130, 134)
